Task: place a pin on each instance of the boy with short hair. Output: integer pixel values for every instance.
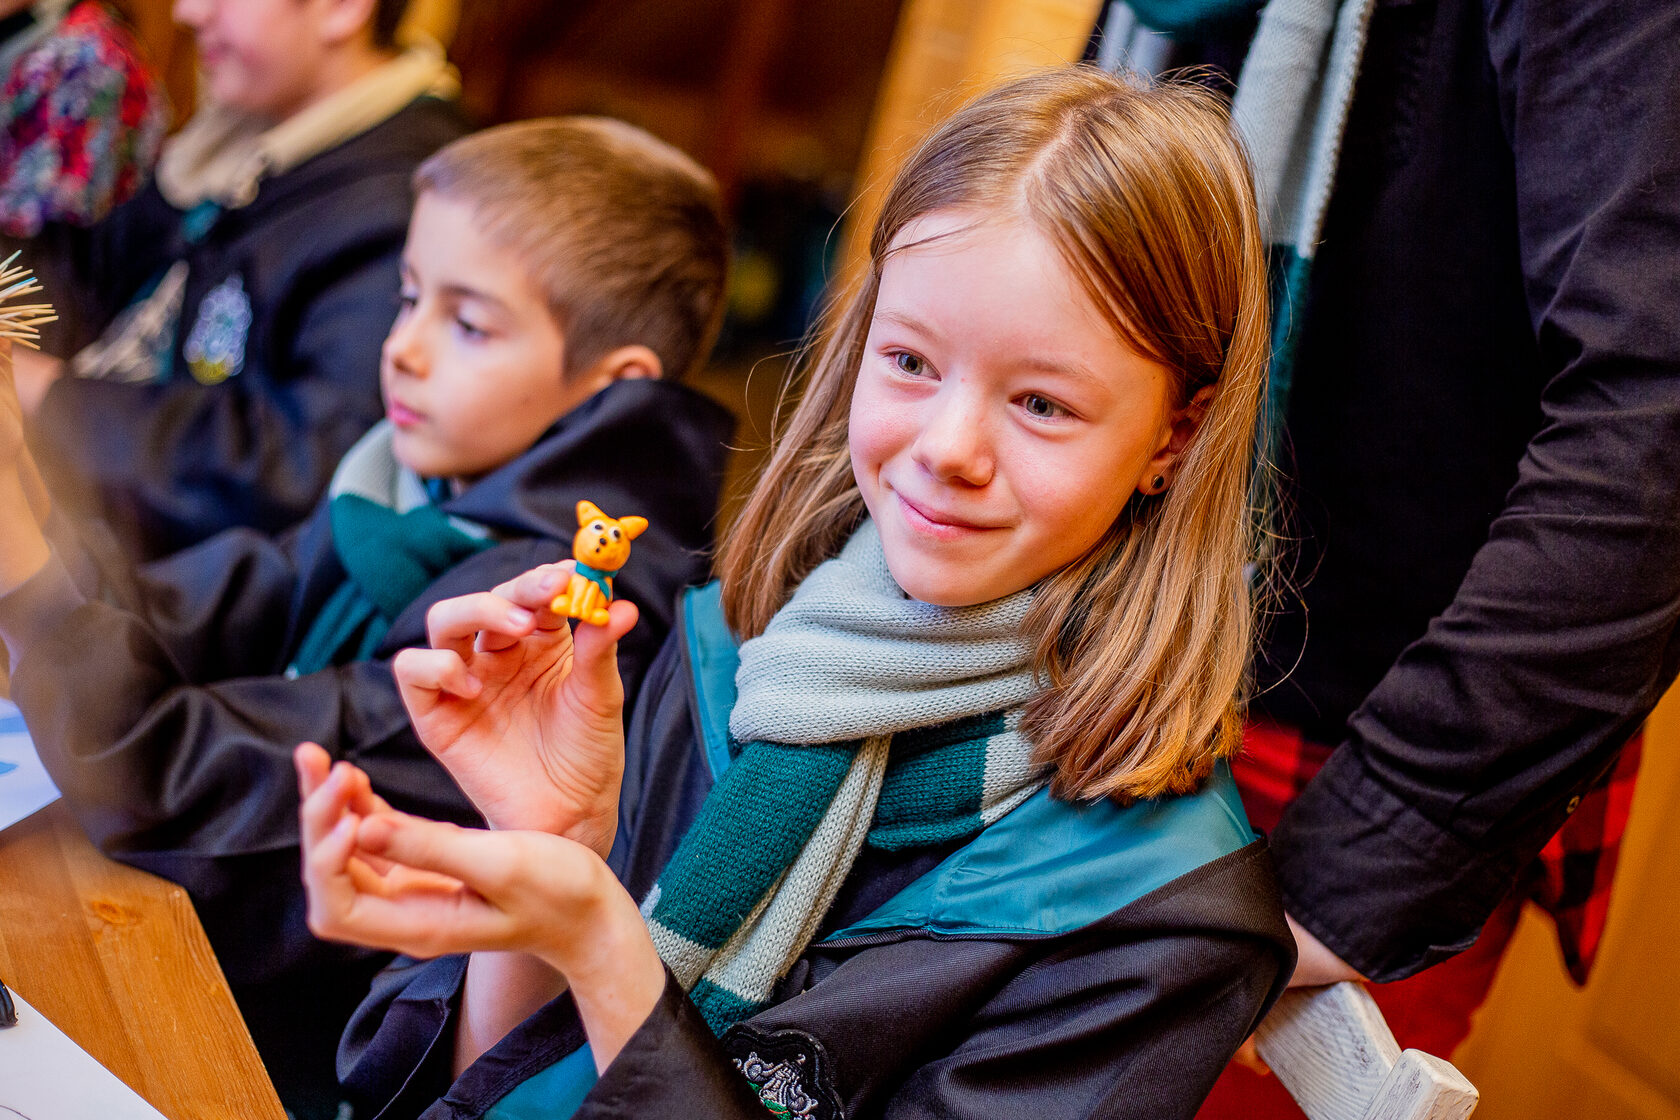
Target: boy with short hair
(224, 347)
(559, 277)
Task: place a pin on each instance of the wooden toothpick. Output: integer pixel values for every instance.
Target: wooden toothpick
(21, 322)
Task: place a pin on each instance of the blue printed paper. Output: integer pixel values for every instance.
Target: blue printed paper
(24, 785)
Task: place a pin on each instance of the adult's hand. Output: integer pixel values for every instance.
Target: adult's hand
(1315, 964)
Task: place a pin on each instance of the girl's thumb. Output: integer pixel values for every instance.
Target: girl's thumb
(595, 653)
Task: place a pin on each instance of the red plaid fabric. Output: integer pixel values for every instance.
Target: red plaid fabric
(1571, 878)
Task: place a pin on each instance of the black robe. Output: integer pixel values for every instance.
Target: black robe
(157, 701)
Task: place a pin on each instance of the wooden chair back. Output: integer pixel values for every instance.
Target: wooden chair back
(1334, 1053)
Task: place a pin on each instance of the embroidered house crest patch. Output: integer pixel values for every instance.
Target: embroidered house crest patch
(215, 350)
(791, 1072)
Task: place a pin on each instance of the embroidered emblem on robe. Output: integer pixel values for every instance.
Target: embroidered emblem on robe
(215, 350)
(789, 1070)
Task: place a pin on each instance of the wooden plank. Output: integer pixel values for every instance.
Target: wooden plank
(1330, 1047)
(944, 52)
(1422, 1087)
(117, 959)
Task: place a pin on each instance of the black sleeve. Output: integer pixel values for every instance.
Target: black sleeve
(90, 273)
(184, 778)
(171, 463)
(1465, 758)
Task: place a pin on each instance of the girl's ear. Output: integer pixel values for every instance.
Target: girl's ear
(1185, 422)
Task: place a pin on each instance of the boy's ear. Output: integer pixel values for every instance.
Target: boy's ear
(588, 511)
(632, 526)
(628, 363)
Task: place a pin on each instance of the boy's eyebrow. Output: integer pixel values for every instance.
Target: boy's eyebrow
(462, 291)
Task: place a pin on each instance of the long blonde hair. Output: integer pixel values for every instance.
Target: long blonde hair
(1143, 642)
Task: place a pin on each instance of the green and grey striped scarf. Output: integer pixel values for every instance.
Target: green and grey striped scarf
(1292, 104)
(863, 716)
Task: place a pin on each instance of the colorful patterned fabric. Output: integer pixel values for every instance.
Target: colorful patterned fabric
(1571, 879)
(80, 124)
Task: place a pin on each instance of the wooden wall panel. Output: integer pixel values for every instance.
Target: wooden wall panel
(1544, 1049)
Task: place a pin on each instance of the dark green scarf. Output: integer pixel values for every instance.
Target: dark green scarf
(393, 541)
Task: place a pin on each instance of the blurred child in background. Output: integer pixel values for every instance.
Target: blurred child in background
(232, 312)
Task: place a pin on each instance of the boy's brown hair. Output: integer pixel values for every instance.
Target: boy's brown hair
(622, 232)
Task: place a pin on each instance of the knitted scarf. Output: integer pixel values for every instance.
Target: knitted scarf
(863, 716)
(393, 542)
(1292, 104)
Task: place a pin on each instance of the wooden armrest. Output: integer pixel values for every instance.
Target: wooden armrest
(1332, 1050)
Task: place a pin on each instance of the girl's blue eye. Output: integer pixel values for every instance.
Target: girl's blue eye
(909, 363)
(407, 300)
(1042, 406)
(469, 330)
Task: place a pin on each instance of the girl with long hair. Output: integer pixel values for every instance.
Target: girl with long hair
(922, 810)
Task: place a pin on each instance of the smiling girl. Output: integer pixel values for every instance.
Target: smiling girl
(921, 810)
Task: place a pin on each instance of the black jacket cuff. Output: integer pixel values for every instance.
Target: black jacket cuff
(1385, 888)
(673, 1056)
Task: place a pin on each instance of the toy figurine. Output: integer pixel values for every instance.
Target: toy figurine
(601, 547)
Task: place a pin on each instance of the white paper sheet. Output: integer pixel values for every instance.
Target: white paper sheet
(24, 785)
(45, 1076)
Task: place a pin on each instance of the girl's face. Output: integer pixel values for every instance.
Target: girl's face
(999, 425)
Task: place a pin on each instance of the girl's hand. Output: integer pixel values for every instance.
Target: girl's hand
(447, 889)
(11, 411)
(24, 504)
(527, 721)
(335, 800)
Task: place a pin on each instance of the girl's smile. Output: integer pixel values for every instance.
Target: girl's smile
(999, 425)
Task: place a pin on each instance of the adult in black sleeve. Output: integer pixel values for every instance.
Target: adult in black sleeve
(1485, 427)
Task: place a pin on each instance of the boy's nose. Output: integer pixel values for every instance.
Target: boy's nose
(403, 350)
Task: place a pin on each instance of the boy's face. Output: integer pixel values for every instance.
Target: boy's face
(472, 366)
(270, 57)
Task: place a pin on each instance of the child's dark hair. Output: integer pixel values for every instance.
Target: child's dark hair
(387, 17)
(623, 233)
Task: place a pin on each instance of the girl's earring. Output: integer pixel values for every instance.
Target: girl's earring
(1158, 485)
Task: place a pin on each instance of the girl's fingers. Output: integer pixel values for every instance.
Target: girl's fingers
(595, 658)
(436, 671)
(322, 809)
(328, 857)
(481, 860)
(385, 879)
(452, 624)
(312, 764)
(535, 589)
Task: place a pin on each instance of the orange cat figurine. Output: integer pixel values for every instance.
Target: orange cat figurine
(601, 547)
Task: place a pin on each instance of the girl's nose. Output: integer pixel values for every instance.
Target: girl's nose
(954, 444)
